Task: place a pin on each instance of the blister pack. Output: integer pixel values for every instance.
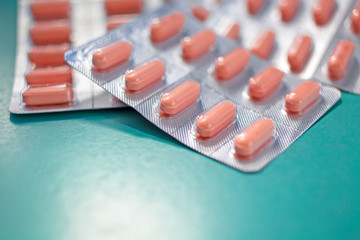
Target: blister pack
(46, 30)
(202, 89)
(340, 64)
(292, 34)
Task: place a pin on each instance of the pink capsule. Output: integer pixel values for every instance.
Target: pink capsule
(49, 95)
(114, 7)
(166, 27)
(50, 10)
(254, 6)
(198, 45)
(49, 55)
(200, 13)
(179, 99)
(49, 76)
(53, 32)
(231, 64)
(215, 121)
(114, 55)
(264, 45)
(340, 59)
(299, 53)
(265, 84)
(288, 9)
(322, 11)
(253, 138)
(145, 76)
(355, 19)
(302, 97)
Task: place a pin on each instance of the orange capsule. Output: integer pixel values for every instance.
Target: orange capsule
(322, 11)
(215, 121)
(264, 44)
(254, 137)
(200, 13)
(53, 32)
(49, 55)
(49, 10)
(179, 99)
(111, 56)
(51, 75)
(302, 97)
(266, 83)
(145, 76)
(114, 7)
(254, 6)
(231, 64)
(355, 19)
(232, 32)
(299, 52)
(288, 9)
(49, 95)
(166, 27)
(198, 45)
(118, 20)
(339, 60)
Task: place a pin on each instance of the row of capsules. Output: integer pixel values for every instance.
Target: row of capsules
(340, 64)
(49, 79)
(184, 92)
(293, 34)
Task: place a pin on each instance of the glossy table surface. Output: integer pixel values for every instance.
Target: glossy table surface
(110, 174)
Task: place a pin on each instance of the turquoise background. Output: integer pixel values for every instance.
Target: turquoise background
(110, 174)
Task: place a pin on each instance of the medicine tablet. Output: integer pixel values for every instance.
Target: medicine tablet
(49, 55)
(53, 32)
(111, 56)
(179, 99)
(264, 44)
(198, 45)
(355, 19)
(253, 138)
(339, 60)
(231, 64)
(302, 97)
(118, 20)
(200, 13)
(166, 27)
(288, 9)
(50, 95)
(232, 32)
(265, 84)
(322, 11)
(299, 53)
(114, 7)
(254, 6)
(145, 76)
(215, 121)
(49, 76)
(49, 10)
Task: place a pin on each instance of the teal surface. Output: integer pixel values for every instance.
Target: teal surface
(110, 174)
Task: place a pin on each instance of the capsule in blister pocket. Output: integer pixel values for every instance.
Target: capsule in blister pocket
(49, 10)
(265, 84)
(144, 77)
(264, 44)
(231, 64)
(198, 45)
(109, 57)
(288, 9)
(49, 55)
(179, 99)
(355, 19)
(200, 13)
(254, 6)
(49, 75)
(215, 121)
(52, 32)
(322, 11)
(114, 7)
(302, 97)
(253, 138)
(299, 53)
(339, 60)
(166, 27)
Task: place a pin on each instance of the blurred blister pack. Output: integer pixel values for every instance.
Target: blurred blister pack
(46, 30)
(183, 78)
